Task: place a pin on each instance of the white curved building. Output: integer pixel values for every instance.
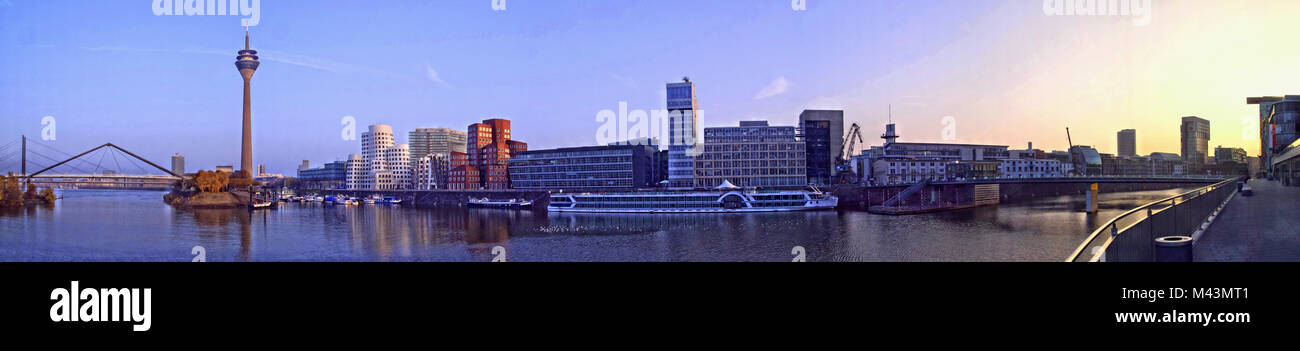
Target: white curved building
(383, 165)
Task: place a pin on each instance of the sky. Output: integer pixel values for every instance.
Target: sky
(1006, 72)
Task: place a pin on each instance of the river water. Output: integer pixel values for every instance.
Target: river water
(107, 225)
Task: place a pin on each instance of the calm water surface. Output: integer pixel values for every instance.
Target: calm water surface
(103, 225)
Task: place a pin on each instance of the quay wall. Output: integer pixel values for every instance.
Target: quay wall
(858, 197)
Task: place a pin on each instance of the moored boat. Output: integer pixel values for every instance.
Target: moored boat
(724, 199)
(489, 203)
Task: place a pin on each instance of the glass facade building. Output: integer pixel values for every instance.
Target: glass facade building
(683, 124)
(614, 167)
(823, 132)
(428, 141)
(1279, 125)
(332, 175)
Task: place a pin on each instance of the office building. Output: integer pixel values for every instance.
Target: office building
(597, 168)
(427, 141)
(1279, 126)
(972, 170)
(1032, 168)
(431, 172)
(261, 169)
(823, 132)
(1167, 163)
(1230, 161)
(305, 165)
(906, 163)
(356, 172)
(332, 175)
(464, 178)
(489, 147)
(683, 127)
(1085, 160)
(178, 165)
(1195, 140)
(1127, 142)
(753, 154)
(384, 164)
(1229, 154)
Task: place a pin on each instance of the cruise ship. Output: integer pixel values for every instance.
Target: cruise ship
(724, 199)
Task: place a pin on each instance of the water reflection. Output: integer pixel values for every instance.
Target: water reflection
(137, 226)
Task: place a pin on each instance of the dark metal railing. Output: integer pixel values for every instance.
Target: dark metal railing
(1130, 237)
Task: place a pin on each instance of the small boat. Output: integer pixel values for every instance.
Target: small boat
(262, 205)
(391, 200)
(368, 201)
(489, 203)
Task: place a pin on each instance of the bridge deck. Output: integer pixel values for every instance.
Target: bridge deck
(1263, 227)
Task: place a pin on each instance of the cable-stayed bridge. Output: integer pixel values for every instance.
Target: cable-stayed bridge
(105, 166)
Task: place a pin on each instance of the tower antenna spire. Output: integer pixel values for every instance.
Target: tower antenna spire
(245, 37)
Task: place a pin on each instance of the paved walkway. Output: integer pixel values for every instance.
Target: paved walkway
(1264, 227)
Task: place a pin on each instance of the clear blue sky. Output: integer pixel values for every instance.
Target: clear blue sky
(112, 71)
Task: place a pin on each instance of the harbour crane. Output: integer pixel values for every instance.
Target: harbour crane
(843, 169)
(1070, 151)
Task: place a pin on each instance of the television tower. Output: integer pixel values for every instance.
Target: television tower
(247, 64)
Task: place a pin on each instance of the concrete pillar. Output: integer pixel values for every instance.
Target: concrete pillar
(1091, 204)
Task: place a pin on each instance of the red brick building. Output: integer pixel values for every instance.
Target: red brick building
(488, 147)
(463, 178)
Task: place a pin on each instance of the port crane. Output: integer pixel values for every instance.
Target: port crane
(843, 168)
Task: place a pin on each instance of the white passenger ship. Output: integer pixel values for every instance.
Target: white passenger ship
(723, 199)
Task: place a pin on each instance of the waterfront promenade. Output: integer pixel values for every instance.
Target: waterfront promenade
(1263, 227)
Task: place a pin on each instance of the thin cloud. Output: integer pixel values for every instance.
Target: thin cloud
(625, 81)
(776, 87)
(304, 61)
(433, 76)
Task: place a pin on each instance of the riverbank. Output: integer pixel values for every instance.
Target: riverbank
(204, 201)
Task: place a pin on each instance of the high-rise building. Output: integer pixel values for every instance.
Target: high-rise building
(683, 127)
(261, 169)
(1127, 142)
(304, 166)
(427, 141)
(385, 165)
(1195, 133)
(178, 164)
(753, 154)
(823, 131)
(1279, 126)
(489, 147)
(247, 63)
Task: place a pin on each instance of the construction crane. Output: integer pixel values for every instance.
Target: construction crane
(843, 169)
(1070, 151)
